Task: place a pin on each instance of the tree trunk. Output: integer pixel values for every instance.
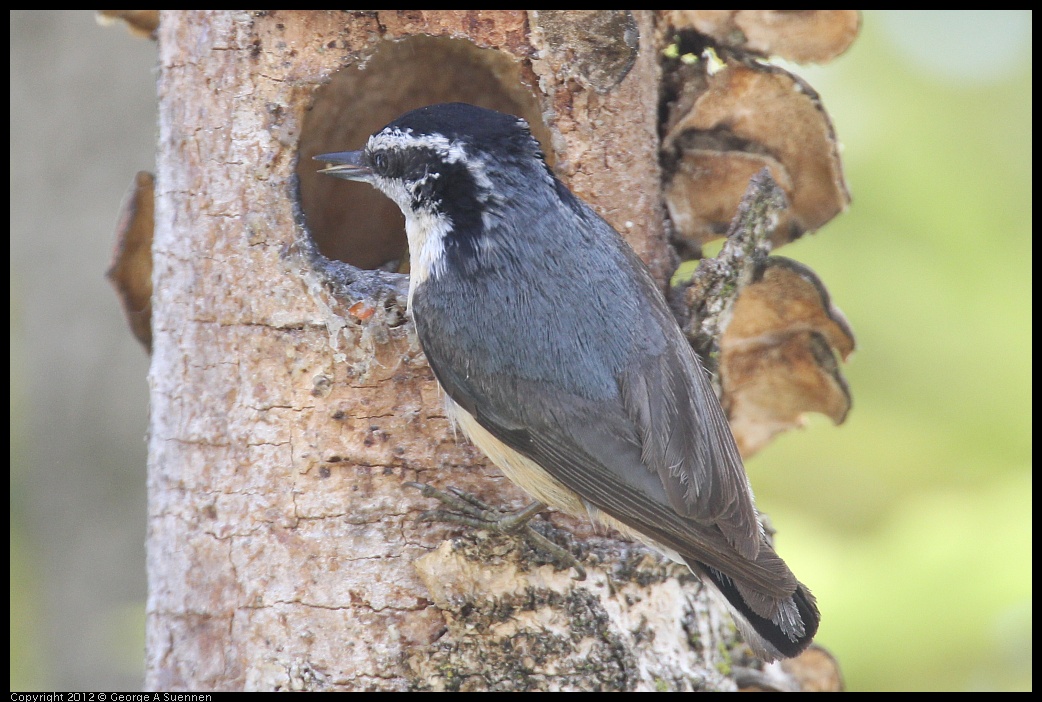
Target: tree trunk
(290, 400)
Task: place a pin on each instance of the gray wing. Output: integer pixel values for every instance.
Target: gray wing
(598, 455)
(651, 448)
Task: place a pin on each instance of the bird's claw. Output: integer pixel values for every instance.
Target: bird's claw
(472, 512)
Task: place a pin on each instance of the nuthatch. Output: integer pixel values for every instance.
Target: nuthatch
(562, 361)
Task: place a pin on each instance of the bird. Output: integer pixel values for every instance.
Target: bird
(561, 360)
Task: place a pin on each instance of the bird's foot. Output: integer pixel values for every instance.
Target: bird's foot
(471, 511)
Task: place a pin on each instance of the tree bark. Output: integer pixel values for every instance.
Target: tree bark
(290, 400)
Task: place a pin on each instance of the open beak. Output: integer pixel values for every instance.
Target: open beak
(347, 165)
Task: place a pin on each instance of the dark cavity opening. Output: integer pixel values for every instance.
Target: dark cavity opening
(352, 222)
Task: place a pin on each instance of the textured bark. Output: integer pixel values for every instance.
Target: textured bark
(290, 401)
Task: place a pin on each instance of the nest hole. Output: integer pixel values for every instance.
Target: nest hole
(352, 222)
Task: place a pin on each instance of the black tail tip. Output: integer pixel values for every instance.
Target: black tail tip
(785, 635)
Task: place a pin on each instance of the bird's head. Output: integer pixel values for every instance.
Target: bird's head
(457, 172)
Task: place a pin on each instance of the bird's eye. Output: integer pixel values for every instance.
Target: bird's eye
(380, 162)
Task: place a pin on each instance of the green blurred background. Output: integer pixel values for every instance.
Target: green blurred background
(911, 522)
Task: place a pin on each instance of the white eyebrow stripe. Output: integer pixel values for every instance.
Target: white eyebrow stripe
(398, 139)
(450, 151)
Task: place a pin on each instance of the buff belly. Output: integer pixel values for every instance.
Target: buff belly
(533, 479)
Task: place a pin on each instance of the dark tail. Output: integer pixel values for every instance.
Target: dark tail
(780, 628)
